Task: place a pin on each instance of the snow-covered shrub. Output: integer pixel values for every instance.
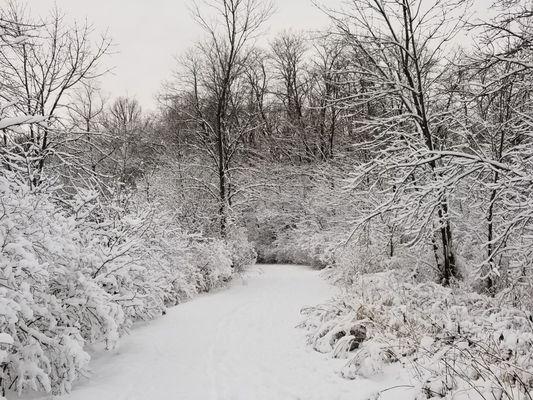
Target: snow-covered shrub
(303, 246)
(84, 272)
(169, 262)
(353, 259)
(241, 250)
(116, 256)
(182, 265)
(48, 307)
(139, 255)
(454, 342)
(212, 260)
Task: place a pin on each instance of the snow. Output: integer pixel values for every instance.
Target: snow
(20, 120)
(5, 338)
(241, 343)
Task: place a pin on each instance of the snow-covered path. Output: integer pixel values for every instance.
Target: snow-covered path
(237, 344)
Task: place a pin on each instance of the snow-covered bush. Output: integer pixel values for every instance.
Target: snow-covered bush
(212, 260)
(454, 342)
(48, 306)
(241, 251)
(304, 246)
(119, 251)
(141, 257)
(84, 272)
(169, 262)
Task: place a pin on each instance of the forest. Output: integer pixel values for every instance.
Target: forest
(393, 151)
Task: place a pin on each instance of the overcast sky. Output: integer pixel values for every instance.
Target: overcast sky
(149, 33)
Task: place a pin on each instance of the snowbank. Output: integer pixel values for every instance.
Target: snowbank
(456, 344)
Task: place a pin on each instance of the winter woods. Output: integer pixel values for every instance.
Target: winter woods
(397, 138)
(411, 140)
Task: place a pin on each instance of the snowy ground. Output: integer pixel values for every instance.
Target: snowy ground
(237, 344)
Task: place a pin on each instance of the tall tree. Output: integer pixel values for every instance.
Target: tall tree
(41, 71)
(231, 27)
(401, 46)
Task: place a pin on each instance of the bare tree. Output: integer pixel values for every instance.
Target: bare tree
(330, 61)
(130, 145)
(85, 112)
(289, 67)
(231, 26)
(259, 82)
(39, 73)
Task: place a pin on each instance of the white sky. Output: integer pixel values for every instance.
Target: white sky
(149, 33)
